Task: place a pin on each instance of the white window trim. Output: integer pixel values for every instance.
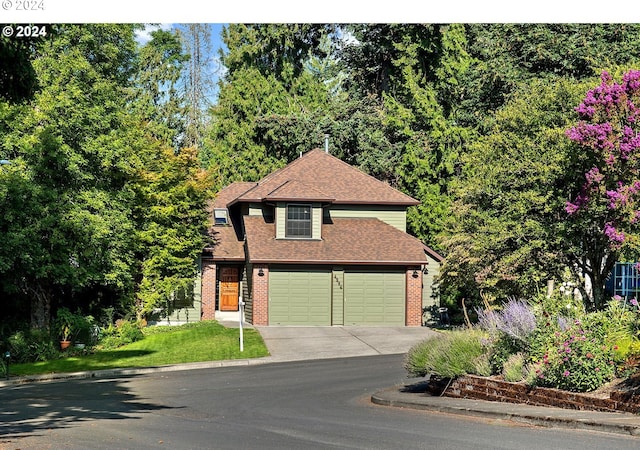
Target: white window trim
(224, 216)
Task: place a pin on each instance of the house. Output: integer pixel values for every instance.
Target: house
(624, 281)
(318, 242)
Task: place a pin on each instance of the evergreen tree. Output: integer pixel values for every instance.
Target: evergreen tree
(266, 89)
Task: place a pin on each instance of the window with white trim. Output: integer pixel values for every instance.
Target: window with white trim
(298, 221)
(220, 216)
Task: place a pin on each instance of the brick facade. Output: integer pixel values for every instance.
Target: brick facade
(414, 297)
(259, 301)
(208, 290)
(260, 295)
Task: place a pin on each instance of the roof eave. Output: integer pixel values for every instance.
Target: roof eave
(298, 199)
(337, 262)
(381, 203)
(431, 252)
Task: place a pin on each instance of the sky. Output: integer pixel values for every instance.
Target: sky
(215, 69)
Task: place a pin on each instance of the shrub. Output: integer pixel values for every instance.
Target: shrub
(514, 368)
(516, 320)
(31, 346)
(415, 362)
(577, 360)
(499, 349)
(616, 320)
(72, 326)
(509, 329)
(557, 306)
(123, 333)
(447, 355)
(626, 352)
(482, 365)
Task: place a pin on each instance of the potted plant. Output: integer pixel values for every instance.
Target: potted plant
(82, 334)
(64, 324)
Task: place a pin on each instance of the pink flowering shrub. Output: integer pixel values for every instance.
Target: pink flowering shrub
(608, 132)
(576, 359)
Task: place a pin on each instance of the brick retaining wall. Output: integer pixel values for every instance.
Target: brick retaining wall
(494, 389)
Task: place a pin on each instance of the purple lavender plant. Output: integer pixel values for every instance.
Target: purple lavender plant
(488, 319)
(563, 323)
(516, 320)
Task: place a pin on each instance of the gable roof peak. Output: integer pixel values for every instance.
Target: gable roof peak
(318, 172)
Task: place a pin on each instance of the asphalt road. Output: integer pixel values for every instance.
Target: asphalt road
(294, 405)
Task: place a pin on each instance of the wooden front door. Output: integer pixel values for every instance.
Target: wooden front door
(229, 288)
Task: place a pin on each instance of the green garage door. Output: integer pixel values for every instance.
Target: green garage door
(299, 297)
(374, 297)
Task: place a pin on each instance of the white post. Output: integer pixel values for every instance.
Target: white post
(241, 312)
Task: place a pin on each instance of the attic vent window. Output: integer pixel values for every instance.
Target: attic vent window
(221, 216)
(298, 221)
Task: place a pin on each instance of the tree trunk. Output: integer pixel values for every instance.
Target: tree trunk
(599, 277)
(598, 290)
(40, 307)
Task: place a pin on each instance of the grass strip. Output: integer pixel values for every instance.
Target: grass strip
(196, 342)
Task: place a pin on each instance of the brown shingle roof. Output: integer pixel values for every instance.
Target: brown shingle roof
(295, 190)
(231, 192)
(323, 173)
(227, 247)
(345, 241)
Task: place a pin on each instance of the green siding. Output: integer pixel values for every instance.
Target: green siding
(299, 296)
(396, 216)
(429, 298)
(338, 296)
(374, 297)
(188, 309)
(316, 221)
(281, 214)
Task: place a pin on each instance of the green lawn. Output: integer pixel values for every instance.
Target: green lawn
(202, 341)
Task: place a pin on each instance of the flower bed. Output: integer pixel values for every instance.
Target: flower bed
(542, 352)
(495, 389)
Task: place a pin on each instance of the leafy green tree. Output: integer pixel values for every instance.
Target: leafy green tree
(17, 77)
(171, 219)
(97, 199)
(506, 234)
(508, 55)
(68, 221)
(415, 71)
(281, 50)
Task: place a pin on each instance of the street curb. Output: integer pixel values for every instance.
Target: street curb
(109, 373)
(548, 417)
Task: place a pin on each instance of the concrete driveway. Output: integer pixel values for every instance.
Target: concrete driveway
(296, 343)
